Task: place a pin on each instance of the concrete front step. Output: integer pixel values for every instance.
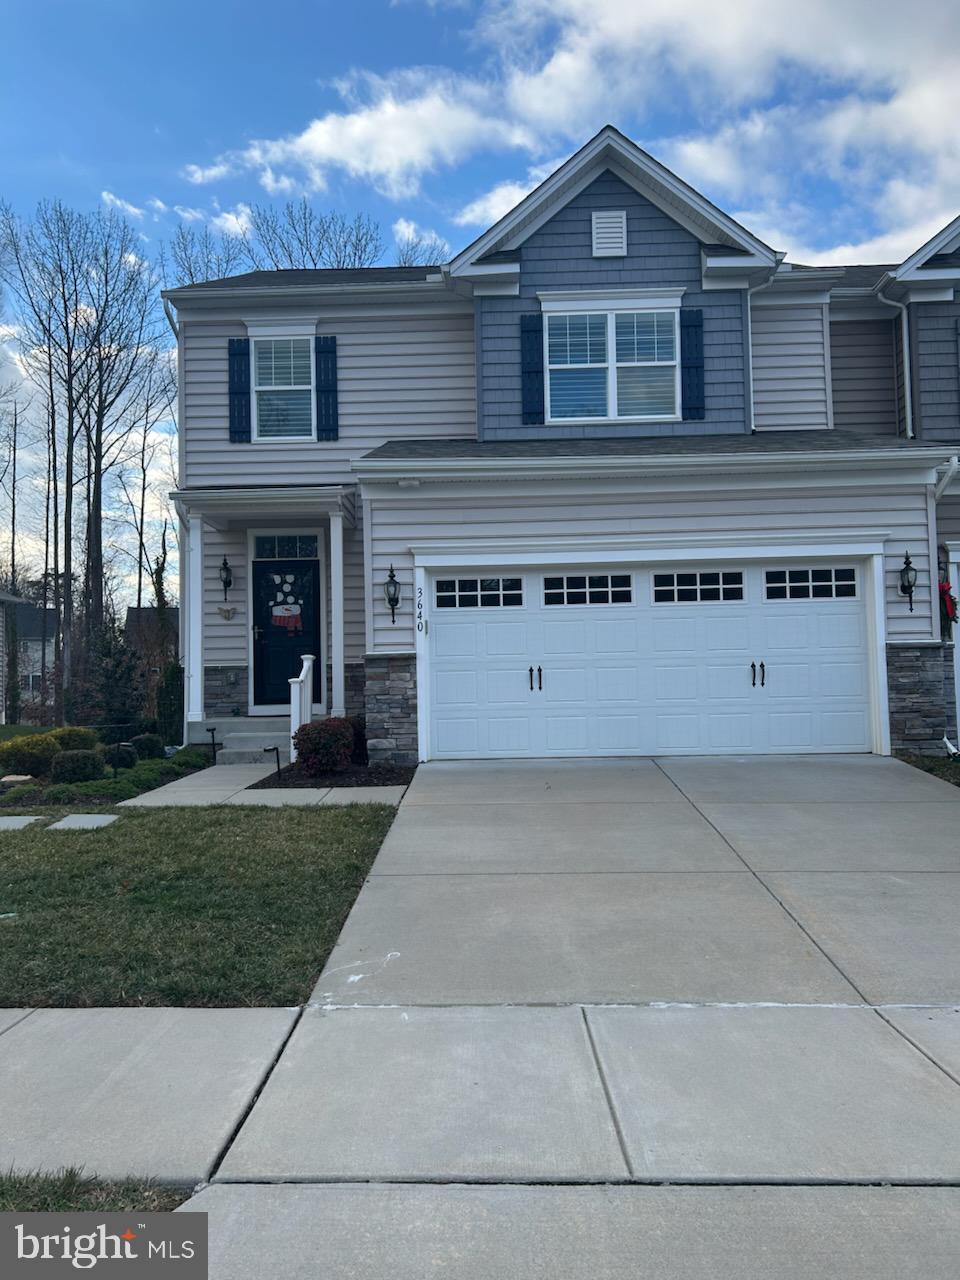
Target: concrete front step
(233, 755)
(249, 747)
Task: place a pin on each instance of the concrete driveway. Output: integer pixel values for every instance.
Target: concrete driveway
(628, 973)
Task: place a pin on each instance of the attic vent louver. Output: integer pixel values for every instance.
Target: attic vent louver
(610, 233)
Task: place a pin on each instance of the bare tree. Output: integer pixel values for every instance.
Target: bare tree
(199, 254)
(422, 250)
(295, 235)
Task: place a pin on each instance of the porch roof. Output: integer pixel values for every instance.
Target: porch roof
(242, 505)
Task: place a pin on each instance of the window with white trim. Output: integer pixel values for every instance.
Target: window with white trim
(283, 389)
(697, 587)
(482, 593)
(811, 584)
(613, 364)
(592, 588)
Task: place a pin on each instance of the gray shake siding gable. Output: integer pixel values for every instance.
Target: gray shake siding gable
(661, 254)
(934, 334)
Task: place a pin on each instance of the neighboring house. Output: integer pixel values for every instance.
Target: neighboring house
(646, 487)
(32, 639)
(8, 603)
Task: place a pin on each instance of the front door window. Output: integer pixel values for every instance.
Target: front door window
(286, 625)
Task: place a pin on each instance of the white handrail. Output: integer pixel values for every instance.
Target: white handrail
(301, 700)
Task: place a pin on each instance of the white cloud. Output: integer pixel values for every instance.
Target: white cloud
(156, 205)
(199, 174)
(233, 222)
(397, 129)
(405, 231)
(187, 214)
(122, 206)
(834, 125)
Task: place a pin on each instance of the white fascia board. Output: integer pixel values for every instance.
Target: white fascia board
(603, 152)
(931, 294)
(188, 298)
(480, 270)
(223, 507)
(922, 460)
(936, 244)
(651, 549)
(774, 297)
(609, 299)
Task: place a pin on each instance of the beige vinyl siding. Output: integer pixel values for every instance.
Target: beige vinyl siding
(611, 509)
(400, 375)
(791, 378)
(864, 376)
(225, 643)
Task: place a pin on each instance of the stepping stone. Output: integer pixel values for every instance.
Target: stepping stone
(15, 778)
(17, 824)
(84, 821)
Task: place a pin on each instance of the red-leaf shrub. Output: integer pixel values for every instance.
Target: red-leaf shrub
(324, 746)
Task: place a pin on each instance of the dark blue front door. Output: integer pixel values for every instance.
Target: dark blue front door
(286, 625)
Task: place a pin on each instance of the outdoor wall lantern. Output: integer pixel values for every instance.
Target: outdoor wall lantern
(908, 579)
(226, 576)
(391, 593)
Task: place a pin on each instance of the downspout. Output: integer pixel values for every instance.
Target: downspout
(750, 292)
(948, 473)
(168, 312)
(905, 343)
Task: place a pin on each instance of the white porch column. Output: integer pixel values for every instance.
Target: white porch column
(338, 692)
(194, 596)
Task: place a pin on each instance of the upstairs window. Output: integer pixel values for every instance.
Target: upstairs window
(283, 372)
(613, 365)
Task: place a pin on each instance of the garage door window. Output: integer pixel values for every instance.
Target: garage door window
(697, 587)
(483, 593)
(811, 584)
(593, 588)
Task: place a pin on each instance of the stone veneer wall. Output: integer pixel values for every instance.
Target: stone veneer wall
(224, 691)
(921, 686)
(391, 701)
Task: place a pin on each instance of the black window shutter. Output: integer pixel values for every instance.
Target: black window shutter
(238, 378)
(531, 368)
(328, 422)
(691, 364)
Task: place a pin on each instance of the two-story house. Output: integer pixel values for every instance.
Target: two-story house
(617, 480)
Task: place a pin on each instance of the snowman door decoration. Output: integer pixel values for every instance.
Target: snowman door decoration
(286, 607)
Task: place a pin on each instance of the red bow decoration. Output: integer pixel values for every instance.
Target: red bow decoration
(948, 603)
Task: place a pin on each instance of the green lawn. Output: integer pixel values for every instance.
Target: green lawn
(71, 1192)
(212, 907)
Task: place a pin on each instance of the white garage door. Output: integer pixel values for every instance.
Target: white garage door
(699, 660)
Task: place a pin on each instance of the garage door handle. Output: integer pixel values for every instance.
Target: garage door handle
(763, 675)
(539, 677)
(753, 674)
(531, 679)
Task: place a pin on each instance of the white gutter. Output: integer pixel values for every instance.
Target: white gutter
(944, 482)
(905, 344)
(640, 464)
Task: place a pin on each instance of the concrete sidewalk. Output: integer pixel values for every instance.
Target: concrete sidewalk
(230, 783)
(576, 981)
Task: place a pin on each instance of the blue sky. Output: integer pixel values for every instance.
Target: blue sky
(829, 129)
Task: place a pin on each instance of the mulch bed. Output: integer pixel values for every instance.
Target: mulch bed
(355, 775)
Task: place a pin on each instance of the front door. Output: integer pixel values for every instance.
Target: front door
(286, 625)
